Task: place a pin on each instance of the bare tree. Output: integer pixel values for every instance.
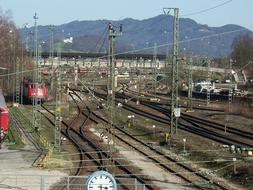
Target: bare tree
(242, 50)
(10, 52)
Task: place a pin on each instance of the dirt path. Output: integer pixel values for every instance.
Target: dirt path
(16, 171)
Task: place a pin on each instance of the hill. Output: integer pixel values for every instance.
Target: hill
(91, 36)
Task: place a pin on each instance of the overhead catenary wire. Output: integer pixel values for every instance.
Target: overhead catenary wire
(207, 9)
(128, 165)
(220, 160)
(180, 42)
(102, 39)
(161, 45)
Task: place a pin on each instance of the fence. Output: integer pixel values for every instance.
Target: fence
(45, 182)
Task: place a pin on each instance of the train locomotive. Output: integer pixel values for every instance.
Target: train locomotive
(34, 89)
(4, 117)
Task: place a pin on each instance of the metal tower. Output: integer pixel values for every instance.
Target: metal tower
(14, 60)
(154, 84)
(58, 117)
(208, 81)
(51, 46)
(230, 94)
(17, 90)
(111, 84)
(189, 103)
(36, 78)
(174, 73)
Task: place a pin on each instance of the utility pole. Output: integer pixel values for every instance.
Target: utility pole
(17, 91)
(22, 66)
(13, 36)
(36, 78)
(174, 74)
(189, 103)
(154, 69)
(51, 54)
(51, 45)
(138, 73)
(230, 94)
(111, 84)
(208, 85)
(58, 117)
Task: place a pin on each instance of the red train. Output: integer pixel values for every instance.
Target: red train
(32, 89)
(3, 117)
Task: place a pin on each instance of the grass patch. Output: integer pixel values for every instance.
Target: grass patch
(59, 161)
(15, 141)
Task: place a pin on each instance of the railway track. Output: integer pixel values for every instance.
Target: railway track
(164, 103)
(122, 169)
(191, 177)
(33, 138)
(198, 126)
(65, 130)
(202, 123)
(95, 154)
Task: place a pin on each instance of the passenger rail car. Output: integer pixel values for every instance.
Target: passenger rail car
(34, 89)
(4, 116)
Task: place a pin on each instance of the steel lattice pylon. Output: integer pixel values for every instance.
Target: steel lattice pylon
(189, 103)
(36, 79)
(154, 81)
(230, 95)
(208, 85)
(17, 91)
(174, 73)
(51, 46)
(111, 84)
(58, 117)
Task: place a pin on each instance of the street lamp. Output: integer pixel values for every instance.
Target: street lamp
(154, 129)
(184, 140)
(120, 105)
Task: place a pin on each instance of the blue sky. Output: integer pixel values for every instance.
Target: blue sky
(62, 11)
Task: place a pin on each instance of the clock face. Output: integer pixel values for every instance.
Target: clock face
(101, 181)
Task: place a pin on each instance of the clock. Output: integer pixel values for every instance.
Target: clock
(100, 180)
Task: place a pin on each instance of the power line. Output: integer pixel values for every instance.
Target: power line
(180, 42)
(208, 9)
(159, 46)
